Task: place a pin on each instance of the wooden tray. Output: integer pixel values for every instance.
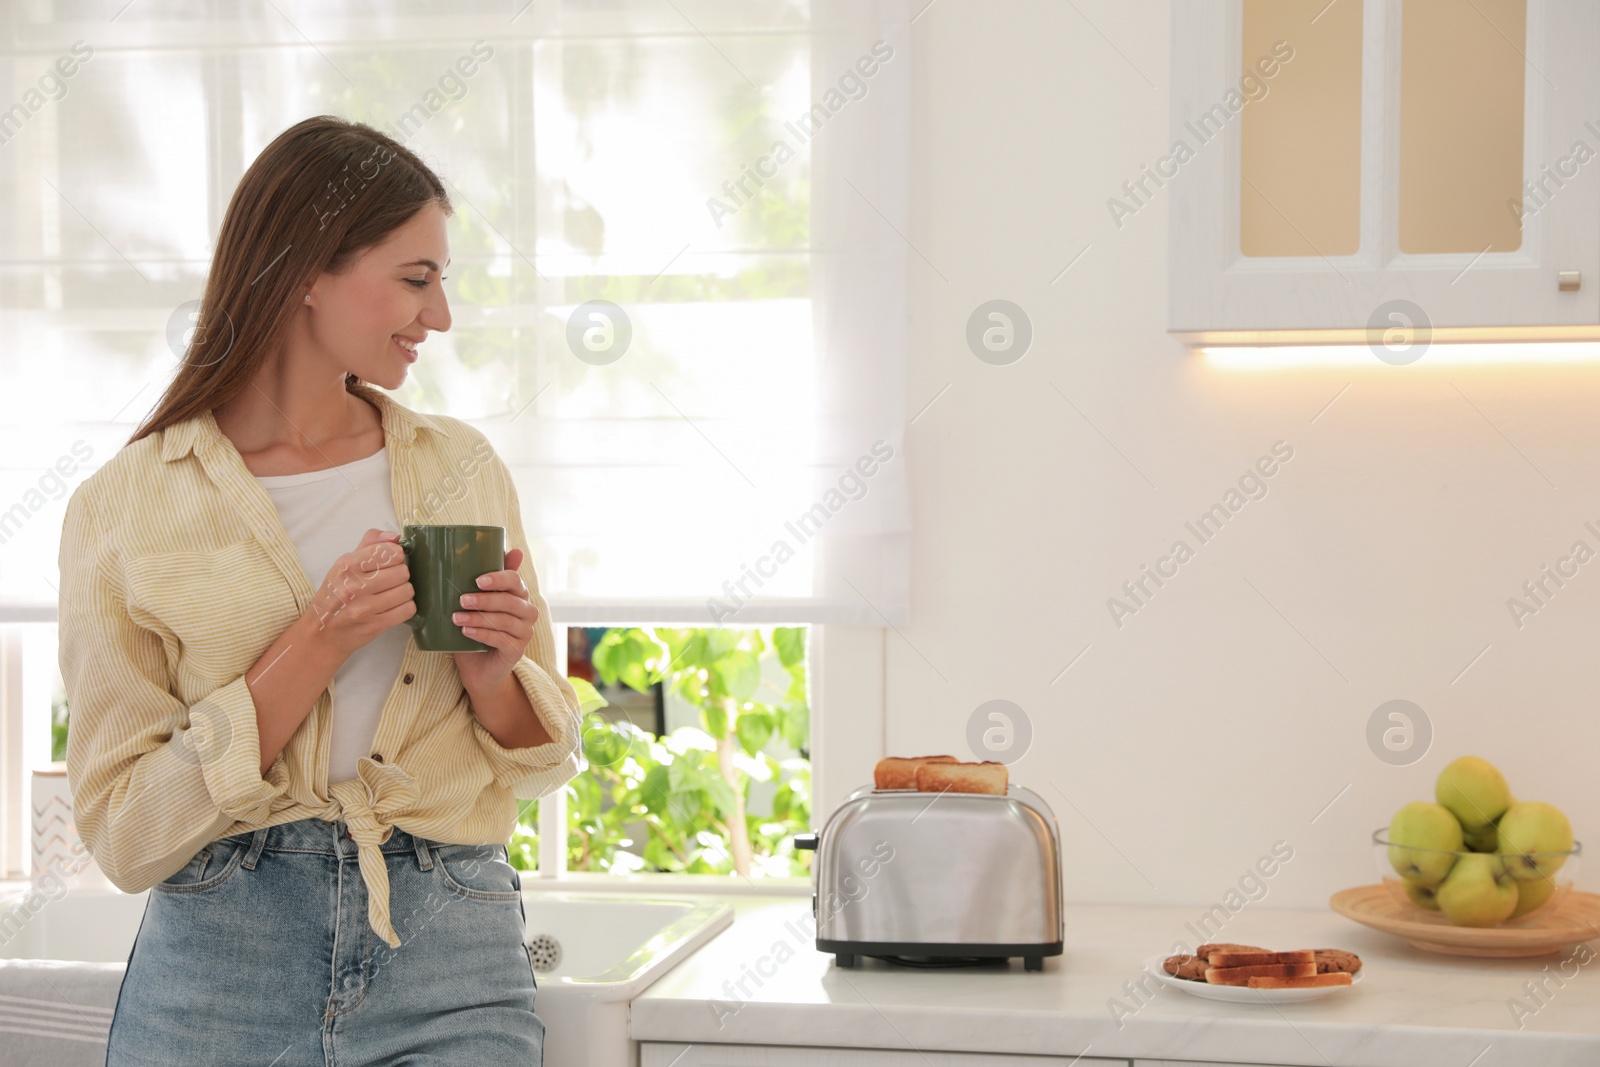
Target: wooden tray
(1575, 919)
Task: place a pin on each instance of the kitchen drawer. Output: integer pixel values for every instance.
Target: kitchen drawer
(676, 1054)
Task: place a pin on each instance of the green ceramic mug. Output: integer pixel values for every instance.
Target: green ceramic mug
(445, 562)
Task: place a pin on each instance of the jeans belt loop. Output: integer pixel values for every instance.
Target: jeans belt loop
(257, 843)
(424, 856)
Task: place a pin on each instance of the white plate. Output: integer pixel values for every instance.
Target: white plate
(1235, 994)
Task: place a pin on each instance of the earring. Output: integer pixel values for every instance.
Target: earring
(308, 298)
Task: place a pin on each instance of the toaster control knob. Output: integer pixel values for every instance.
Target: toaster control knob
(806, 841)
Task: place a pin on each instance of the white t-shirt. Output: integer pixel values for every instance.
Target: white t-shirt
(325, 514)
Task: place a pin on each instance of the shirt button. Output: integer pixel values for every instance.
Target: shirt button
(377, 757)
(407, 679)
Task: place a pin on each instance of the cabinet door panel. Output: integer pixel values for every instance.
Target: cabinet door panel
(1218, 293)
(1463, 116)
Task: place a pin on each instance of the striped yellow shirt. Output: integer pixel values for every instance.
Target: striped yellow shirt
(176, 575)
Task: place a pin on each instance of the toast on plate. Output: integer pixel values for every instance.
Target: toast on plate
(1243, 975)
(1226, 957)
(1304, 982)
(1250, 959)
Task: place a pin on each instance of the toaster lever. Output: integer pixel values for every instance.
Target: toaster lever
(806, 841)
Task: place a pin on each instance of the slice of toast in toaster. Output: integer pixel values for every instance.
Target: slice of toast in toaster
(897, 772)
(1306, 982)
(988, 777)
(1242, 975)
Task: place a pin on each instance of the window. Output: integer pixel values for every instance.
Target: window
(678, 285)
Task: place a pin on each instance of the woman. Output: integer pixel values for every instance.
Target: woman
(319, 808)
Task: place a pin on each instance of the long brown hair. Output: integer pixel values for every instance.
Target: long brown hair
(322, 192)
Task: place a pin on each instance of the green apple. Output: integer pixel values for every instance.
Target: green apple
(1530, 828)
(1533, 894)
(1485, 840)
(1474, 790)
(1478, 892)
(1423, 896)
(1423, 841)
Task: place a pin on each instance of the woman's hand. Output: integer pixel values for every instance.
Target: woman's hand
(501, 616)
(365, 592)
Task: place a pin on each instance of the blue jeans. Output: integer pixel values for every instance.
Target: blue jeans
(259, 952)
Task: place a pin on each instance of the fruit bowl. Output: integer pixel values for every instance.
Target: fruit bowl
(1475, 889)
(1575, 920)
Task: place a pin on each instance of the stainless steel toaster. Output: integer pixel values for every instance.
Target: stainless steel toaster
(937, 879)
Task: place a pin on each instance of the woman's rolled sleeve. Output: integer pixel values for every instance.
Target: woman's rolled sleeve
(536, 770)
(227, 737)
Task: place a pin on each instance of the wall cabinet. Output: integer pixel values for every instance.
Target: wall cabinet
(1339, 168)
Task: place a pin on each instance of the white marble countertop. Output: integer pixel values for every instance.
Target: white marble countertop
(1412, 1008)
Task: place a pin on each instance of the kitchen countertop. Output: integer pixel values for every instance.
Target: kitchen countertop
(1412, 1008)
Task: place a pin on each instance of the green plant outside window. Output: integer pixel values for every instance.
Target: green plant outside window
(688, 793)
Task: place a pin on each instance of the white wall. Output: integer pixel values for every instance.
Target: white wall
(1185, 743)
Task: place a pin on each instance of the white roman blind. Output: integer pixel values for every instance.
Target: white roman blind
(678, 280)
